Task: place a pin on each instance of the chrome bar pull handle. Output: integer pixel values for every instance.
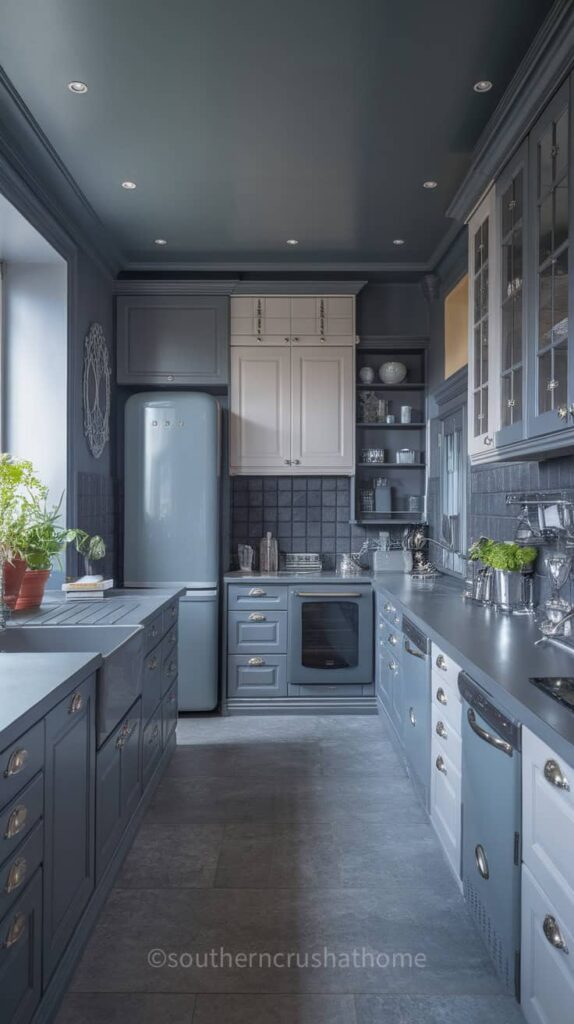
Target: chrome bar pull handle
(488, 737)
(555, 776)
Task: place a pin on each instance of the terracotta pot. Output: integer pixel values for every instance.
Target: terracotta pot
(13, 576)
(32, 589)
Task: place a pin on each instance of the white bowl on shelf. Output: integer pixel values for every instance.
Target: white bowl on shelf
(392, 373)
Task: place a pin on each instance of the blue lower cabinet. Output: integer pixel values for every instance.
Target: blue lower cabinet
(257, 675)
(152, 744)
(169, 666)
(21, 955)
(118, 785)
(69, 824)
(169, 713)
(20, 816)
(17, 871)
(152, 681)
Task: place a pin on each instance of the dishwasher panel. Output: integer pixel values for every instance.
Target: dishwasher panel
(491, 827)
(417, 694)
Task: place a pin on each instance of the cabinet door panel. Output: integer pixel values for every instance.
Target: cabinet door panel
(323, 410)
(484, 356)
(21, 956)
(547, 972)
(180, 339)
(511, 203)
(70, 816)
(260, 415)
(550, 369)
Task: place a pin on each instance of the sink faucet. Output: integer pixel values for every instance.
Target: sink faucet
(555, 628)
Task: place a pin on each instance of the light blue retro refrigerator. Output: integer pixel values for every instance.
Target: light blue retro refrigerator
(171, 523)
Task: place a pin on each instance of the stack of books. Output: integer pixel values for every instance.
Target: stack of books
(87, 589)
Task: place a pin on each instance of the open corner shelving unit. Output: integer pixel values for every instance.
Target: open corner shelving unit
(405, 479)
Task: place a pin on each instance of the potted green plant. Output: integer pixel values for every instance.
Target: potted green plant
(20, 491)
(43, 543)
(510, 563)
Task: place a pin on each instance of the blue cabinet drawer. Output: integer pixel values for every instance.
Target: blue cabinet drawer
(17, 871)
(20, 762)
(334, 690)
(169, 713)
(258, 631)
(170, 613)
(169, 660)
(263, 675)
(19, 817)
(21, 955)
(256, 595)
(151, 685)
(153, 633)
(152, 745)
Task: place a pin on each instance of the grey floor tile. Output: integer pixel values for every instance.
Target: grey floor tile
(435, 949)
(276, 1009)
(125, 1008)
(455, 1010)
(172, 856)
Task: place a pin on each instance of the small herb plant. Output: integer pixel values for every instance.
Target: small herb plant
(504, 555)
(21, 493)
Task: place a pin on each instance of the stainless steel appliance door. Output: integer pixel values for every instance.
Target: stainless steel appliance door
(491, 827)
(331, 635)
(198, 646)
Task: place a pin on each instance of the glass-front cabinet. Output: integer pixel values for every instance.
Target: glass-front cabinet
(510, 211)
(482, 326)
(551, 371)
(521, 350)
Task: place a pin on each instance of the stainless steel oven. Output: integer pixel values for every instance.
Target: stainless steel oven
(331, 634)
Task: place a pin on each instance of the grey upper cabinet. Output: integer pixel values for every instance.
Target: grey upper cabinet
(172, 339)
(551, 375)
(69, 818)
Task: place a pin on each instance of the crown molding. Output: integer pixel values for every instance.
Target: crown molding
(165, 286)
(546, 64)
(299, 287)
(34, 176)
(238, 267)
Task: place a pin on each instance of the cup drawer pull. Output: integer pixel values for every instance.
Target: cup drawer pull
(16, 762)
(16, 874)
(441, 730)
(16, 931)
(440, 765)
(76, 703)
(257, 592)
(256, 662)
(555, 776)
(441, 696)
(553, 934)
(257, 617)
(16, 821)
(152, 663)
(441, 663)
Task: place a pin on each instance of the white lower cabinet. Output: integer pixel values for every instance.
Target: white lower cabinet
(445, 790)
(547, 958)
(547, 975)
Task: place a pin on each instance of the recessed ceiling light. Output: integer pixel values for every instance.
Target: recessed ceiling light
(292, 241)
(78, 88)
(398, 241)
(430, 184)
(160, 241)
(129, 185)
(483, 86)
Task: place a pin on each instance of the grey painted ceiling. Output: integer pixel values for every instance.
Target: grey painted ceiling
(247, 122)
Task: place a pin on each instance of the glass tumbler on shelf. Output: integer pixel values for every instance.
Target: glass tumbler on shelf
(558, 567)
(245, 555)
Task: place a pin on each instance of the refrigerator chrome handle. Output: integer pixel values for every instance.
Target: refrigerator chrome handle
(488, 737)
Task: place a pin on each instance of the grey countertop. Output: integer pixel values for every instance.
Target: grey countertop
(296, 577)
(496, 650)
(30, 684)
(118, 608)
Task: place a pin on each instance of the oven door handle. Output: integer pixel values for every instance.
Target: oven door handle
(338, 593)
(488, 737)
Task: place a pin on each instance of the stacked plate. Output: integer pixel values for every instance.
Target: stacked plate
(302, 562)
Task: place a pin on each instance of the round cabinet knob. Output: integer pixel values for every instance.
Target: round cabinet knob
(170, 376)
(392, 639)
(287, 462)
(287, 340)
(553, 933)
(441, 696)
(555, 776)
(296, 339)
(296, 462)
(440, 765)
(388, 608)
(393, 666)
(488, 441)
(562, 412)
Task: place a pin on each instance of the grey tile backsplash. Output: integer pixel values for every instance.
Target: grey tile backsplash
(304, 513)
(97, 514)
